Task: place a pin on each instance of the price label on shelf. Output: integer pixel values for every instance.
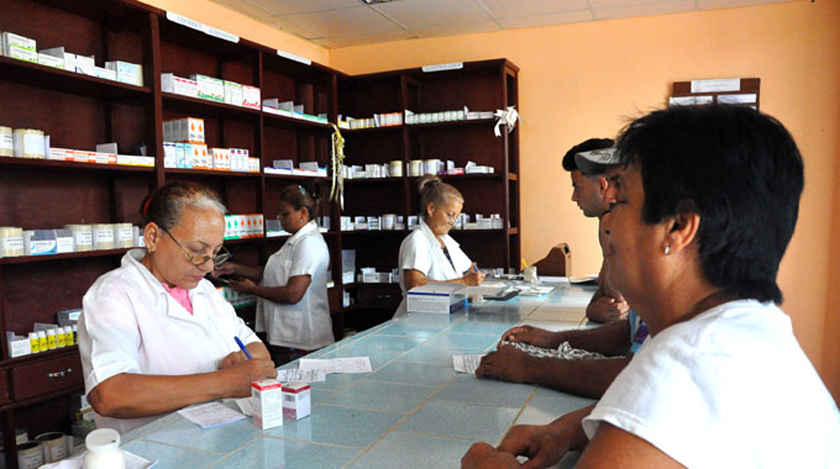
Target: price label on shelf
(208, 30)
(442, 67)
(294, 57)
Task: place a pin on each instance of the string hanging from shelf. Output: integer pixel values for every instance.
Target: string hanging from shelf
(506, 117)
(337, 158)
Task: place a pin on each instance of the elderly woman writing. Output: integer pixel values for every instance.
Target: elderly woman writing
(701, 211)
(429, 254)
(154, 335)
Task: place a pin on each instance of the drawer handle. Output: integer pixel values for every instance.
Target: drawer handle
(59, 374)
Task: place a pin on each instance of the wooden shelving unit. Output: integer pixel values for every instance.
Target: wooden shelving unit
(80, 111)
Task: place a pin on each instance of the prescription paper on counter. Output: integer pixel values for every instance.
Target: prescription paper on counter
(213, 414)
(337, 365)
(467, 363)
(132, 461)
(296, 374)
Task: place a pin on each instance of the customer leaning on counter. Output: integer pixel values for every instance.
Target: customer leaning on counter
(429, 254)
(293, 308)
(154, 335)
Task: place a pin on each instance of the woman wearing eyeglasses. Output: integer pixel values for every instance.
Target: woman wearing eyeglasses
(429, 254)
(154, 335)
(293, 309)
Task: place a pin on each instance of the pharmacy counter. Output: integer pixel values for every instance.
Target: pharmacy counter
(413, 410)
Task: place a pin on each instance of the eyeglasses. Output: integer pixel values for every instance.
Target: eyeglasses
(197, 260)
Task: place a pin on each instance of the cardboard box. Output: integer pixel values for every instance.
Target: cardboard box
(170, 155)
(251, 97)
(51, 61)
(127, 72)
(105, 73)
(187, 129)
(267, 399)
(233, 93)
(19, 47)
(296, 401)
(439, 298)
(209, 87)
(169, 83)
(221, 159)
(39, 242)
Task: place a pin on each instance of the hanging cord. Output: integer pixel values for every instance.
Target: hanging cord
(337, 158)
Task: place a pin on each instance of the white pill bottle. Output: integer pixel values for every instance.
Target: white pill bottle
(103, 450)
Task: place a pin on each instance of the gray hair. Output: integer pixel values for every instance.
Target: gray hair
(166, 205)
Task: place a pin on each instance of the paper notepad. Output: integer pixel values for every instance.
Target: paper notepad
(337, 365)
(466, 363)
(213, 414)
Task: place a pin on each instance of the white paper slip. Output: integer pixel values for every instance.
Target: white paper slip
(213, 414)
(337, 365)
(245, 406)
(533, 290)
(132, 461)
(466, 363)
(297, 374)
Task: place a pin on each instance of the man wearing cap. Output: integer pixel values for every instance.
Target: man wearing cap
(617, 340)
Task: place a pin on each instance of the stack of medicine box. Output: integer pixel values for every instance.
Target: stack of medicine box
(244, 226)
(18, 47)
(191, 152)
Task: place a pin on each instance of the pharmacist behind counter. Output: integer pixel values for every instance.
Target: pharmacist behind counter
(154, 335)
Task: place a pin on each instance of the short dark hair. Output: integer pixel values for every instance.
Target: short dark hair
(434, 191)
(299, 197)
(589, 145)
(740, 170)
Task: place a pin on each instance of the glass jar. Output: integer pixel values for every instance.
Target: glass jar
(103, 450)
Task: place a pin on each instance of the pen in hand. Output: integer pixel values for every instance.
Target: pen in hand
(242, 346)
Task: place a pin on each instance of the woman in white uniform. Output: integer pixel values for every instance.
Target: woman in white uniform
(293, 308)
(429, 254)
(154, 335)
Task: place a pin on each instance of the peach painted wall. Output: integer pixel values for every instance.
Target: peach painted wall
(234, 22)
(583, 80)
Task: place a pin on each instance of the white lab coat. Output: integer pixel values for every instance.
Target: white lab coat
(421, 251)
(307, 324)
(130, 324)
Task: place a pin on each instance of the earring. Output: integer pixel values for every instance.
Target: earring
(668, 250)
(301, 220)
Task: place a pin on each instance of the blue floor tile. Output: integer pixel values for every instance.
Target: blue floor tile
(414, 373)
(404, 450)
(378, 395)
(447, 418)
(338, 426)
(468, 388)
(277, 453)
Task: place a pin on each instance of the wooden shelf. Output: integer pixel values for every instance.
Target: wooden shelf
(71, 165)
(295, 177)
(460, 123)
(54, 79)
(373, 180)
(58, 257)
(205, 107)
(295, 123)
(209, 172)
(34, 357)
(254, 240)
(371, 130)
(376, 232)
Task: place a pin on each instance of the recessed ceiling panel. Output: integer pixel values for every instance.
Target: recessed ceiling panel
(516, 9)
(356, 21)
(291, 7)
(417, 14)
(547, 20)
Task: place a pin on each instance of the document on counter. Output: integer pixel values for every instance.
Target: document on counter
(467, 363)
(533, 290)
(132, 461)
(297, 374)
(213, 414)
(337, 365)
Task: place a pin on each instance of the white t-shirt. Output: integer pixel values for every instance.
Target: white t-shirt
(130, 324)
(729, 388)
(306, 324)
(421, 251)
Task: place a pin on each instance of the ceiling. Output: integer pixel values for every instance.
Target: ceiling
(342, 23)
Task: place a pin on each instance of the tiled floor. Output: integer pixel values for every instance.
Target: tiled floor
(412, 410)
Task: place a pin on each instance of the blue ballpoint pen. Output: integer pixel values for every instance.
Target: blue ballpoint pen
(242, 346)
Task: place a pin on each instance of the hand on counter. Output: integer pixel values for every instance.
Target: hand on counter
(473, 277)
(244, 373)
(507, 364)
(484, 456)
(541, 444)
(533, 336)
(607, 309)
